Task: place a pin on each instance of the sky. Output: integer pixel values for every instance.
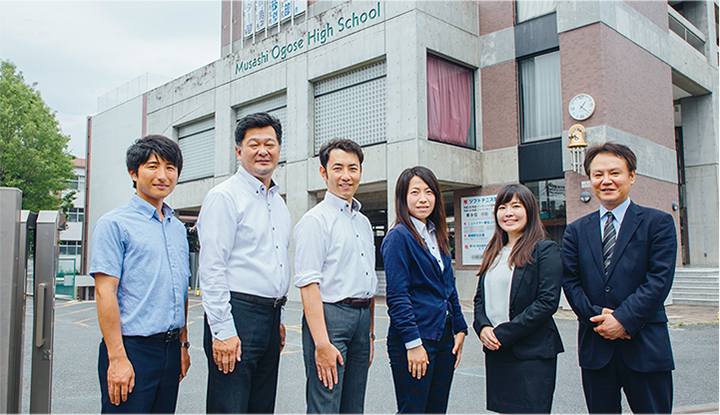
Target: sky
(77, 51)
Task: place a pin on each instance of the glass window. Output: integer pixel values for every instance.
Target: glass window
(197, 143)
(540, 97)
(352, 106)
(550, 195)
(275, 106)
(75, 215)
(530, 9)
(70, 247)
(451, 103)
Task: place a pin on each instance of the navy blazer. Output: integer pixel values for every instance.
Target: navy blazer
(531, 332)
(419, 294)
(639, 279)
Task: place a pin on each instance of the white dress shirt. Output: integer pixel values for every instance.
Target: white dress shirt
(334, 248)
(429, 236)
(244, 233)
(498, 282)
(618, 215)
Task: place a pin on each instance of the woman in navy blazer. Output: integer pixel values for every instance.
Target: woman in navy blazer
(518, 292)
(427, 328)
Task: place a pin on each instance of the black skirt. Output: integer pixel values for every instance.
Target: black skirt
(519, 386)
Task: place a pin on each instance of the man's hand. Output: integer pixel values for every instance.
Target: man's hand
(282, 337)
(226, 353)
(417, 361)
(372, 350)
(457, 349)
(608, 326)
(121, 379)
(184, 362)
(488, 339)
(326, 358)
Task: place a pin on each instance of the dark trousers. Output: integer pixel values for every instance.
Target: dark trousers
(646, 392)
(252, 386)
(156, 364)
(430, 393)
(349, 331)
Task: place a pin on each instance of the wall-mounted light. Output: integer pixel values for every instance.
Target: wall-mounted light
(675, 206)
(585, 196)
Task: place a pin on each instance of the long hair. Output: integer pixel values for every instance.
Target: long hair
(438, 214)
(533, 233)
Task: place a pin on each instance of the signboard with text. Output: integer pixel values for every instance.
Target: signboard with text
(478, 225)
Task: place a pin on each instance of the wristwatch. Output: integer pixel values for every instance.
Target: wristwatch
(185, 345)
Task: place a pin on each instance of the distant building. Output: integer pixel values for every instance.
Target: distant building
(71, 239)
(480, 92)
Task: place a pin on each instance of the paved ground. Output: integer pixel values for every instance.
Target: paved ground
(76, 388)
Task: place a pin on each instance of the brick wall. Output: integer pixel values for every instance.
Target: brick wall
(499, 106)
(495, 15)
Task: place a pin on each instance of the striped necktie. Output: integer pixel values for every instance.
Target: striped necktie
(608, 243)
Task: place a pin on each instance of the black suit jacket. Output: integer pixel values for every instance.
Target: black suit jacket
(531, 332)
(639, 279)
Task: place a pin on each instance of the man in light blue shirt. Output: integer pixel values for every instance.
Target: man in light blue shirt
(141, 270)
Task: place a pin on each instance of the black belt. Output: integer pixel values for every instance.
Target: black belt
(356, 302)
(168, 336)
(254, 299)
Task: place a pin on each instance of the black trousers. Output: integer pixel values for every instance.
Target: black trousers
(646, 392)
(252, 386)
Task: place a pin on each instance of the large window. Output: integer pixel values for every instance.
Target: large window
(550, 195)
(75, 215)
(197, 142)
(540, 95)
(352, 106)
(530, 9)
(451, 103)
(70, 247)
(275, 106)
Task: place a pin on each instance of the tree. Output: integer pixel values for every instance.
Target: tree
(33, 150)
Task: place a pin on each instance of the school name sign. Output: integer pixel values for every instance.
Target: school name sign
(345, 24)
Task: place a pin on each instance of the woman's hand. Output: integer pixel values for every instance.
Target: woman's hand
(457, 349)
(417, 361)
(488, 339)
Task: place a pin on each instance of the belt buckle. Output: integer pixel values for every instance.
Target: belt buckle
(278, 302)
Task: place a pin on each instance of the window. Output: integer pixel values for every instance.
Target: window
(530, 9)
(70, 247)
(76, 215)
(78, 183)
(550, 195)
(197, 143)
(540, 97)
(275, 106)
(352, 106)
(451, 103)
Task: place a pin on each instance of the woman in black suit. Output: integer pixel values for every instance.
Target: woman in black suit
(518, 292)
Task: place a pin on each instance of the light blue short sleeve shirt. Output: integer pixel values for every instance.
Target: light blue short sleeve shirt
(150, 257)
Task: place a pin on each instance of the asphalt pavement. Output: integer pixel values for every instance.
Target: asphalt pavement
(77, 336)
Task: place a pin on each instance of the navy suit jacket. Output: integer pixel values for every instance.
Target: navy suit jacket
(639, 279)
(531, 332)
(419, 294)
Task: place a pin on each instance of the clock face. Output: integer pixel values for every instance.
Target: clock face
(581, 107)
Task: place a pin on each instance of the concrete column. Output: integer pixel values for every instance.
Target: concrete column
(700, 136)
(225, 158)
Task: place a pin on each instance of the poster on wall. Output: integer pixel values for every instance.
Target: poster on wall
(478, 226)
(300, 7)
(273, 12)
(261, 17)
(286, 10)
(248, 18)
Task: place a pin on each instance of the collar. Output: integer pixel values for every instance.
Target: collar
(342, 204)
(254, 183)
(618, 212)
(422, 226)
(148, 210)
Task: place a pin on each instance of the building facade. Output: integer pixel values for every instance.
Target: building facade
(479, 92)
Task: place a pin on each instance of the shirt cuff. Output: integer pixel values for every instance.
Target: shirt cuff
(223, 330)
(413, 343)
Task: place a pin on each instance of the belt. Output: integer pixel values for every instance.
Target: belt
(356, 302)
(254, 299)
(168, 336)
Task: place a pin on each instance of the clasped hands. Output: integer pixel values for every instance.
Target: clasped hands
(608, 326)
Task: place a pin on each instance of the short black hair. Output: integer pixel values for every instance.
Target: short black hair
(619, 150)
(257, 120)
(162, 147)
(345, 145)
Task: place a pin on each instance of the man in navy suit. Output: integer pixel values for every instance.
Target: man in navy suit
(618, 268)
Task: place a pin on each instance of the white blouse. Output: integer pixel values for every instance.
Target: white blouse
(498, 281)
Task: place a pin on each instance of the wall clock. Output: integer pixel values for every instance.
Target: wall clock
(581, 107)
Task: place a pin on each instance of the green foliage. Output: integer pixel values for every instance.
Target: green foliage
(33, 150)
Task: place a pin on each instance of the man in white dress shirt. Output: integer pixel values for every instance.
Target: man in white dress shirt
(244, 230)
(335, 271)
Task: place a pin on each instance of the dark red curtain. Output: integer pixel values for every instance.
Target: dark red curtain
(449, 95)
